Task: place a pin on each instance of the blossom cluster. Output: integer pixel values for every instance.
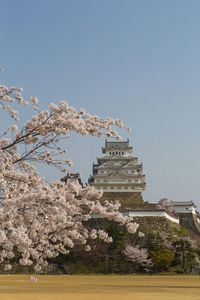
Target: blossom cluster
(136, 254)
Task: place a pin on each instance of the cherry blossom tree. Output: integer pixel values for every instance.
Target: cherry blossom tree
(138, 255)
(166, 204)
(38, 220)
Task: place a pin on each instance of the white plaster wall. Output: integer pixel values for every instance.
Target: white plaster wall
(122, 189)
(152, 213)
(184, 209)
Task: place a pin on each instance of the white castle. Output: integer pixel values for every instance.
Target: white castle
(117, 170)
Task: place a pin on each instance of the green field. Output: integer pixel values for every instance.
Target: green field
(18, 287)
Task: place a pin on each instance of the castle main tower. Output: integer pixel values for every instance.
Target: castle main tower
(118, 174)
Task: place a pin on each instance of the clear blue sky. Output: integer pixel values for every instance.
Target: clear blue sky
(134, 60)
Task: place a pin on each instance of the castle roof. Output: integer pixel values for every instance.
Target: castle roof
(182, 203)
(118, 143)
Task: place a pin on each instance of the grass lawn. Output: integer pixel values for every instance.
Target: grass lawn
(18, 287)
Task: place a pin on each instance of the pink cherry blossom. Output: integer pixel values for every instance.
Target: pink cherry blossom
(138, 255)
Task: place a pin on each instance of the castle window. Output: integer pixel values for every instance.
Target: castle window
(126, 188)
(122, 152)
(119, 187)
(110, 153)
(112, 187)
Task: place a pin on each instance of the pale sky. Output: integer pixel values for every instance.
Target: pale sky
(134, 60)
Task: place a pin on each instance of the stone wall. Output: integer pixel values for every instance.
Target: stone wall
(153, 224)
(127, 200)
(189, 221)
